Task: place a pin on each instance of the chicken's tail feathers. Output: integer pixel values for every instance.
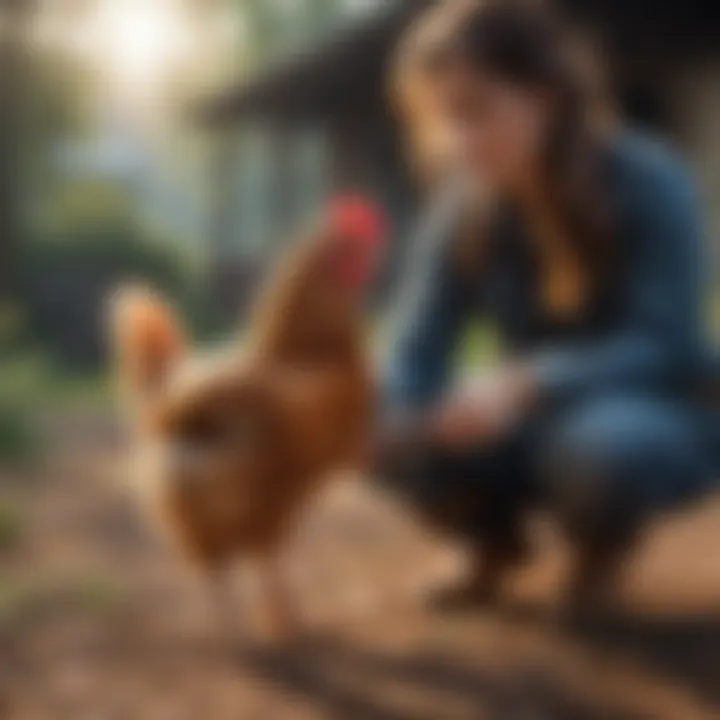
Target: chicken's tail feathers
(143, 332)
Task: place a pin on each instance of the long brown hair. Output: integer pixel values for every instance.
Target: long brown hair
(524, 43)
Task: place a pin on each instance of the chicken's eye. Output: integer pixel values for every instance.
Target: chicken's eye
(203, 430)
(248, 432)
(227, 430)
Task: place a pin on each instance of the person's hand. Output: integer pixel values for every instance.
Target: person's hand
(485, 408)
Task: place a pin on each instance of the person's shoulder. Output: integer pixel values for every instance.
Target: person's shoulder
(653, 187)
(645, 161)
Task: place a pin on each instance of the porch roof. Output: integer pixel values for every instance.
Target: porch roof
(344, 75)
(340, 76)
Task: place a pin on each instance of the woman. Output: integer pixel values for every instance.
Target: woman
(584, 251)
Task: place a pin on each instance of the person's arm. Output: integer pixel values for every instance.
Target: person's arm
(656, 344)
(432, 307)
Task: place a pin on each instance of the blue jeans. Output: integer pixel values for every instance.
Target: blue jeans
(602, 465)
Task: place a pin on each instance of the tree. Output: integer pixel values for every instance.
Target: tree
(14, 17)
(274, 24)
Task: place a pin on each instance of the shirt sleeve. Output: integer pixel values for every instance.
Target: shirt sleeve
(430, 311)
(655, 344)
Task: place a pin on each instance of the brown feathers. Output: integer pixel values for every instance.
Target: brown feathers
(234, 444)
(147, 336)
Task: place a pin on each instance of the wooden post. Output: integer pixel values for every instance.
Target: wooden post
(222, 201)
(281, 196)
(222, 254)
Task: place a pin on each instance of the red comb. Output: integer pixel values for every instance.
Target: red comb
(358, 217)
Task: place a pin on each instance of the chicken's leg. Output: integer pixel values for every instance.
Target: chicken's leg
(224, 617)
(279, 609)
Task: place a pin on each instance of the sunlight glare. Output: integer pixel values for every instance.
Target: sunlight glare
(143, 39)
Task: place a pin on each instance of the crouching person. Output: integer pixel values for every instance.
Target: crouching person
(585, 252)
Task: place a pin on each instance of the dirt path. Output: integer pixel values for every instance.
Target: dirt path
(101, 622)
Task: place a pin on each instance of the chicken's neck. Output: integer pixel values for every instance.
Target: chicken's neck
(305, 315)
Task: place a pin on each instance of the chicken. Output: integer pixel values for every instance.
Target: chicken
(230, 447)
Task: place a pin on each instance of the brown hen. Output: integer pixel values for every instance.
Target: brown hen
(230, 447)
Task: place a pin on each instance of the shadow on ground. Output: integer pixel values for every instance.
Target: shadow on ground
(682, 650)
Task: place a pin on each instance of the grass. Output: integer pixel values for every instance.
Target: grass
(31, 381)
(19, 440)
(31, 387)
(10, 525)
(89, 594)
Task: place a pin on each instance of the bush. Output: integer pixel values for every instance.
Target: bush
(66, 279)
(19, 441)
(10, 526)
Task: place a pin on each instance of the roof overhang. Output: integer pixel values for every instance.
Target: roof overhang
(345, 75)
(341, 75)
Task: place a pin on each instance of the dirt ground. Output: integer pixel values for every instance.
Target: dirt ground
(100, 621)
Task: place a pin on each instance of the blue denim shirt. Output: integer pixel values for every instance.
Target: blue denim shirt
(644, 335)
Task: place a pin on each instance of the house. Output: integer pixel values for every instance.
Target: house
(665, 60)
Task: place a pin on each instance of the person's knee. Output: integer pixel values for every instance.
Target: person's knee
(609, 462)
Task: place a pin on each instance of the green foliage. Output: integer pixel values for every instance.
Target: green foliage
(714, 313)
(10, 525)
(88, 594)
(88, 203)
(19, 437)
(19, 441)
(30, 381)
(480, 345)
(67, 278)
(11, 323)
(273, 26)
